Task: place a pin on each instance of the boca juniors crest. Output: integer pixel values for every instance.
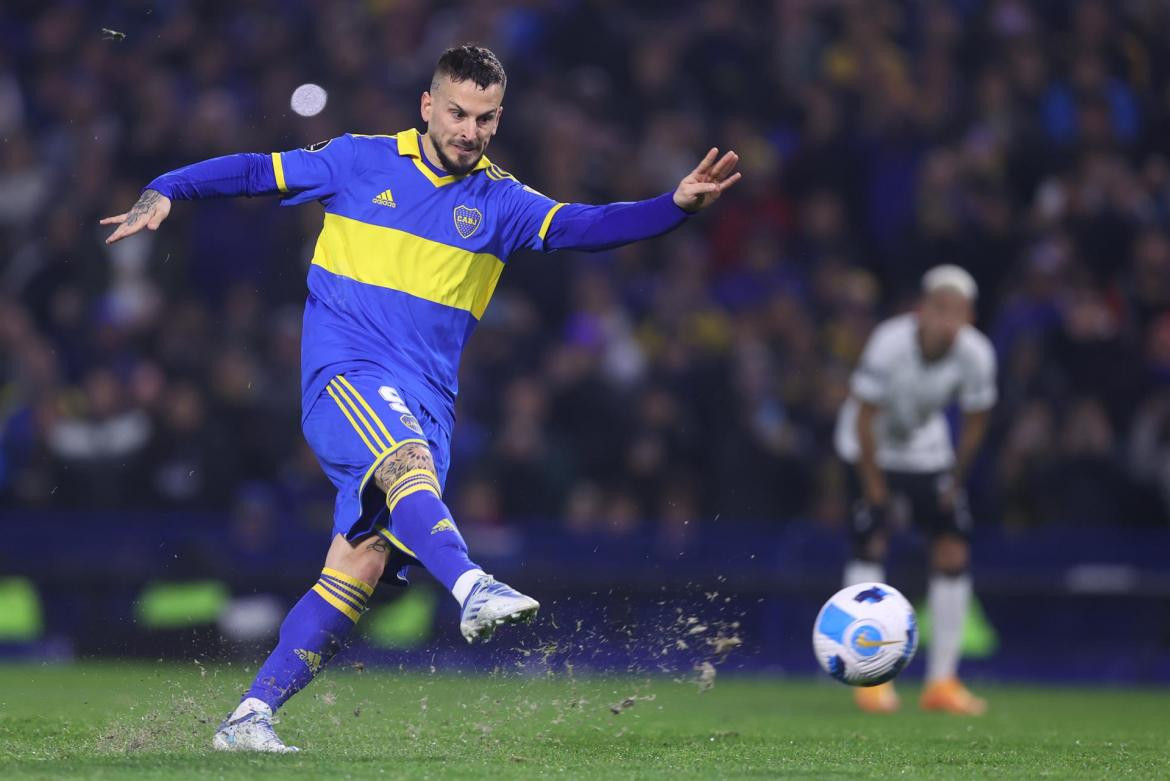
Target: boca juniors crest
(467, 220)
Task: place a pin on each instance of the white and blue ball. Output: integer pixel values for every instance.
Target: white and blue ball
(865, 634)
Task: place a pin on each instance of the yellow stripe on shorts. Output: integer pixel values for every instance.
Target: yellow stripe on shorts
(353, 422)
(374, 415)
(397, 542)
(341, 391)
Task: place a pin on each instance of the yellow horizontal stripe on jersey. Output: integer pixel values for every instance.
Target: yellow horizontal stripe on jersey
(278, 171)
(402, 261)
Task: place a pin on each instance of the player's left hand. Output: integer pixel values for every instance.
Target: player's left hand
(703, 186)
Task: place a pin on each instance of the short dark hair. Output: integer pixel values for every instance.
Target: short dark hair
(469, 61)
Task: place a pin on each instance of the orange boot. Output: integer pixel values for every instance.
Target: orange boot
(951, 696)
(876, 699)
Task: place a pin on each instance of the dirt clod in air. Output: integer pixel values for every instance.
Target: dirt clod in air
(706, 677)
(722, 644)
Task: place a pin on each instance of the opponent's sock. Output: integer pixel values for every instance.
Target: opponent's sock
(860, 571)
(312, 633)
(422, 524)
(948, 597)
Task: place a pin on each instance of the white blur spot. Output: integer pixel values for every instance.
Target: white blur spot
(308, 100)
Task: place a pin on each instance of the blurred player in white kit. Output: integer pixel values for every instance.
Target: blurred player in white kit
(893, 435)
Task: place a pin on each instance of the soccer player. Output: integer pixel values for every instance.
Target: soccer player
(892, 433)
(418, 227)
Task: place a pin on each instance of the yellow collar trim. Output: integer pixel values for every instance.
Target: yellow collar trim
(408, 146)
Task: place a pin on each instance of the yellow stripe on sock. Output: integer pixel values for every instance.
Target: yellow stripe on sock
(353, 422)
(402, 485)
(413, 478)
(322, 592)
(392, 503)
(344, 594)
(397, 543)
(353, 406)
(368, 409)
(344, 589)
(420, 472)
(362, 586)
(412, 482)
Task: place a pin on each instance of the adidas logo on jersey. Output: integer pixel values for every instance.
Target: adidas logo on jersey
(385, 198)
(444, 525)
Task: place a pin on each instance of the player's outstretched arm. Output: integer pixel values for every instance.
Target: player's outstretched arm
(579, 226)
(710, 179)
(151, 209)
(299, 175)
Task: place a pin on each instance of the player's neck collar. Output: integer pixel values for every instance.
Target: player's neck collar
(409, 146)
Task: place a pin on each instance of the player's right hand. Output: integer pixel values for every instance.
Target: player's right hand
(149, 212)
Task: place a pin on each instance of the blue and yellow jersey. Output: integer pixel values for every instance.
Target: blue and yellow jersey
(407, 259)
(409, 256)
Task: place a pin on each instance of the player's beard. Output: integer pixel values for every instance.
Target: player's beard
(449, 165)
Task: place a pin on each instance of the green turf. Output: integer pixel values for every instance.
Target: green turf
(113, 721)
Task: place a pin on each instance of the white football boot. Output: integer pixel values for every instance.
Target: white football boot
(490, 604)
(249, 728)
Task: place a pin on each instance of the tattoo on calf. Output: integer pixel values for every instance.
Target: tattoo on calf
(408, 457)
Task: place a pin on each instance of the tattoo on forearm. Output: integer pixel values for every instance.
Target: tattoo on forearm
(143, 207)
(407, 458)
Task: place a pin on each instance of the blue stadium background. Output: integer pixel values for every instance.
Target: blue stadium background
(636, 427)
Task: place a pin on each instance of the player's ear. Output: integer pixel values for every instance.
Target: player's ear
(499, 116)
(424, 107)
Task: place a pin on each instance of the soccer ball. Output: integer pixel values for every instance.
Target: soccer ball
(865, 634)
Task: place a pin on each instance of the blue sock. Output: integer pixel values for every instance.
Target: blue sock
(422, 526)
(312, 632)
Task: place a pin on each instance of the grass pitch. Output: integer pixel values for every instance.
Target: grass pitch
(140, 721)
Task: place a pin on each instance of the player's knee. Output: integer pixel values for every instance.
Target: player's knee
(364, 560)
(402, 462)
(950, 555)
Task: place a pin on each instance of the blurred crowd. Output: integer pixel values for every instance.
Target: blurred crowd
(663, 384)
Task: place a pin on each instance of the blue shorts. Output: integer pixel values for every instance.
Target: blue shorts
(356, 423)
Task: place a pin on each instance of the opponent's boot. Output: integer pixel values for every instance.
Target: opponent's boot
(951, 696)
(876, 699)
